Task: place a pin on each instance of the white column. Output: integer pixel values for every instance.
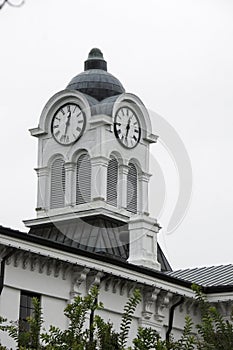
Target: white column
(143, 182)
(99, 166)
(70, 184)
(122, 190)
(43, 189)
(143, 241)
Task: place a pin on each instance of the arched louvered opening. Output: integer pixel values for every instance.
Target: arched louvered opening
(83, 179)
(57, 194)
(112, 181)
(132, 189)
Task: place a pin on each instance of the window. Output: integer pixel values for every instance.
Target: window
(112, 180)
(57, 199)
(26, 309)
(83, 179)
(132, 188)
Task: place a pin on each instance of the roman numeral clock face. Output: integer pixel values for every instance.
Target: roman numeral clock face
(68, 124)
(127, 128)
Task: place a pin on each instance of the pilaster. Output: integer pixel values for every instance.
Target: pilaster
(143, 241)
(70, 189)
(99, 166)
(143, 180)
(42, 192)
(123, 172)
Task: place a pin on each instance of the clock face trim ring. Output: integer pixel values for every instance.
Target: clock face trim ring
(68, 124)
(127, 127)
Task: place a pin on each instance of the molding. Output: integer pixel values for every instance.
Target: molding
(93, 279)
(79, 276)
(100, 120)
(129, 272)
(42, 171)
(150, 296)
(163, 302)
(99, 160)
(96, 207)
(151, 138)
(143, 176)
(37, 132)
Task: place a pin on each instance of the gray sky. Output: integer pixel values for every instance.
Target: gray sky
(175, 55)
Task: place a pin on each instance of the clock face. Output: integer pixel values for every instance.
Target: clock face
(68, 124)
(126, 127)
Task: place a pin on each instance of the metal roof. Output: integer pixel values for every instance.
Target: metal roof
(211, 276)
(95, 81)
(96, 235)
(167, 277)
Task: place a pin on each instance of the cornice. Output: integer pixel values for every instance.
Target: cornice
(99, 263)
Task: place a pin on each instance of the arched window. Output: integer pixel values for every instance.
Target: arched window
(132, 189)
(83, 179)
(112, 181)
(57, 194)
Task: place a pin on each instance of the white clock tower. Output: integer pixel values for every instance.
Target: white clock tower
(93, 168)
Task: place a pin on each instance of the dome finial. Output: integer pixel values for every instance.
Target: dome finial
(95, 54)
(95, 60)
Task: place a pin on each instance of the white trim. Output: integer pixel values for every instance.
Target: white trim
(99, 265)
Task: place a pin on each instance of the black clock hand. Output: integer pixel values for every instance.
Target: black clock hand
(127, 128)
(67, 122)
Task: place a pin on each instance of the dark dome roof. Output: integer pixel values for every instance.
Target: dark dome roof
(95, 80)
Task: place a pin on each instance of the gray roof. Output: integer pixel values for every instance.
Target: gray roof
(221, 275)
(95, 81)
(97, 235)
(216, 284)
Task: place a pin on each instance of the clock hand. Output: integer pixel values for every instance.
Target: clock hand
(127, 128)
(67, 122)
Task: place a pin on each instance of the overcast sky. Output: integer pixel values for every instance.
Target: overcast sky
(176, 55)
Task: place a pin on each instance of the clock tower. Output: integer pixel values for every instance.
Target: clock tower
(93, 168)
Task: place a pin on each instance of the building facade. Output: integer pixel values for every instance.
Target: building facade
(92, 224)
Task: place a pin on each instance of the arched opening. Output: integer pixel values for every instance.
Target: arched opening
(83, 179)
(132, 189)
(112, 181)
(57, 194)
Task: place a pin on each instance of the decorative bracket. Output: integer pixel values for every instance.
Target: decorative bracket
(162, 303)
(149, 298)
(93, 279)
(79, 275)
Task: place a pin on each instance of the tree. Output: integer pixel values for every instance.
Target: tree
(214, 333)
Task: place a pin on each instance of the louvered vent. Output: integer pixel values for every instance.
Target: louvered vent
(112, 180)
(57, 198)
(83, 179)
(132, 189)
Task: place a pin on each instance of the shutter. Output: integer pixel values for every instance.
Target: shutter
(132, 189)
(112, 180)
(57, 198)
(83, 179)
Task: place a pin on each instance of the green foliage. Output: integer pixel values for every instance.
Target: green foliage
(146, 339)
(108, 339)
(2, 328)
(187, 341)
(215, 333)
(128, 316)
(26, 334)
(99, 333)
(75, 337)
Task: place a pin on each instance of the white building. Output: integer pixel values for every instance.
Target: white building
(93, 224)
